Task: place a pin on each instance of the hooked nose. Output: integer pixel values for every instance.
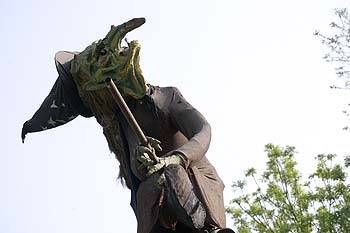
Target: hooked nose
(117, 33)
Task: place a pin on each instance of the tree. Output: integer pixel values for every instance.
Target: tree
(283, 202)
(338, 44)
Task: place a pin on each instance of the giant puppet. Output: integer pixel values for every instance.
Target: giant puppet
(179, 192)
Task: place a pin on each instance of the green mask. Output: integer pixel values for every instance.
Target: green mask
(106, 58)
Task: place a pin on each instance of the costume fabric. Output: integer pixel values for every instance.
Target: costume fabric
(163, 113)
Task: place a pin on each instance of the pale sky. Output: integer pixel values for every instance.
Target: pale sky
(253, 68)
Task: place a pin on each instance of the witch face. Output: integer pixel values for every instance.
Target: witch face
(106, 58)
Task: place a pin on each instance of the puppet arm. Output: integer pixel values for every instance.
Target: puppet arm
(191, 123)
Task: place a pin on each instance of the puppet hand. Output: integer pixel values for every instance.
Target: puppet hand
(144, 153)
(154, 143)
(164, 162)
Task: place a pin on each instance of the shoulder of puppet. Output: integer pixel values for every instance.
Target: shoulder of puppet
(166, 96)
(167, 90)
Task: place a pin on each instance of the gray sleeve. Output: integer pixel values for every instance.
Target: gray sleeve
(193, 125)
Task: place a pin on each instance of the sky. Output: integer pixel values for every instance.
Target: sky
(253, 68)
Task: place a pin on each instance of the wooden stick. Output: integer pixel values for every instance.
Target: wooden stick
(128, 115)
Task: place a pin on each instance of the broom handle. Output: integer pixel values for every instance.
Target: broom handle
(128, 115)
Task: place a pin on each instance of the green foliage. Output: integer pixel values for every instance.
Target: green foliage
(338, 44)
(283, 202)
